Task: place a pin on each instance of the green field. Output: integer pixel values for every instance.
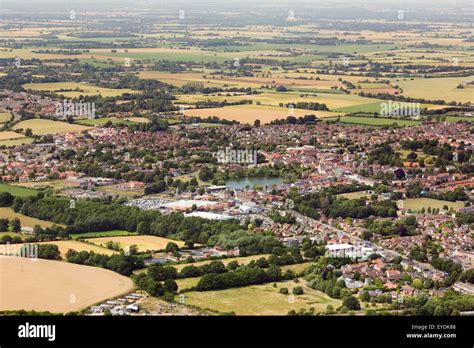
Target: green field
(416, 204)
(260, 299)
(103, 120)
(378, 121)
(11, 234)
(115, 233)
(17, 191)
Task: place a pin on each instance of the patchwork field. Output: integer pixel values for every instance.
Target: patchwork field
(26, 221)
(417, 204)
(74, 90)
(42, 127)
(260, 299)
(61, 287)
(143, 243)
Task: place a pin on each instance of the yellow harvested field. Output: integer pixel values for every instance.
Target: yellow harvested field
(9, 135)
(438, 88)
(58, 287)
(143, 243)
(5, 116)
(74, 89)
(26, 221)
(41, 127)
(63, 245)
(250, 113)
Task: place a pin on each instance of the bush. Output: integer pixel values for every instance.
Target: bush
(298, 290)
(284, 291)
(351, 303)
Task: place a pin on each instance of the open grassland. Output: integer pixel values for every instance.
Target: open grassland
(115, 233)
(250, 113)
(438, 88)
(261, 299)
(143, 243)
(63, 245)
(59, 287)
(17, 191)
(42, 127)
(417, 204)
(74, 89)
(26, 221)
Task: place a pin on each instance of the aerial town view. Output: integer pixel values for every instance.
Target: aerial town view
(236, 158)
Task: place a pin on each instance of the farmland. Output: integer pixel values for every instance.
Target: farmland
(64, 246)
(143, 243)
(41, 127)
(74, 90)
(58, 287)
(26, 221)
(4, 117)
(248, 113)
(260, 300)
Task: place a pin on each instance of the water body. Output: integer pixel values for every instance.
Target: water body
(241, 184)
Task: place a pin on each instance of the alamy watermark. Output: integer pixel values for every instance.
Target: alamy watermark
(229, 155)
(68, 108)
(392, 108)
(20, 250)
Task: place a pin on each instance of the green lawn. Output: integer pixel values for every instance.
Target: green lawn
(417, 204)
(18, 191)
